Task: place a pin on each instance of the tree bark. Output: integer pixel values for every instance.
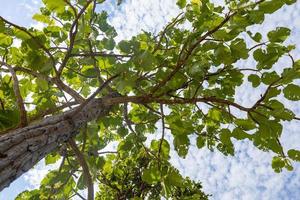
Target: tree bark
(21, 149)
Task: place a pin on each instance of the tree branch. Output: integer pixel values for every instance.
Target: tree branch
(163, 128)
(265, 94)
(72, 36)
(20, 102)
(85, 168)
(100, 54)
(148, 99)
(181, 61)
(61, 85)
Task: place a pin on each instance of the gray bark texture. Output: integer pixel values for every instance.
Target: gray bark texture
(21, 149)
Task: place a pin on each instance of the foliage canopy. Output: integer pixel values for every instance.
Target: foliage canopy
(154, 83)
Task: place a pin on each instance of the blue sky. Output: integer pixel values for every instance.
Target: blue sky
(248, 175)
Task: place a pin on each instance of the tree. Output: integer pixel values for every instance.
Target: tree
(69, 90)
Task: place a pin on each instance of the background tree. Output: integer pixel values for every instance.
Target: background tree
(69, 90)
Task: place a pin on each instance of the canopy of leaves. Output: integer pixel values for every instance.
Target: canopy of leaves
(158, 82)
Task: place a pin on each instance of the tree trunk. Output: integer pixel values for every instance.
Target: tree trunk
(21, 149)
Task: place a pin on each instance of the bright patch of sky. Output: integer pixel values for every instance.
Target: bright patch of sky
(247, 175)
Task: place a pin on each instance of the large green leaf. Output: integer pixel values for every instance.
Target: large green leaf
(151, 175)
(57, 5)
(279, 35)
(292, 92)
(294, 154)
(181, 3)
(254, 79)
(8, 119)
(5, 40)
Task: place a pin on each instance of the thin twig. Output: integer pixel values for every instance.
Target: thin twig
(173, 23)
(100, 54)
(79, 195)
(163, 128)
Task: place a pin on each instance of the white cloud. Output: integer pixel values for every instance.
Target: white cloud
(35, 175)
(136, 15)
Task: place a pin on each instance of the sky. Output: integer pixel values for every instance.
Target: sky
(247, 175)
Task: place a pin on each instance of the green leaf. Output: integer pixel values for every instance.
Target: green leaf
(290, 2)
(144, 61)
(20, 34)
(200, 141)
(81, 182)
(42, 84)
(55, 177)
(125, 85)
(54, 31)
(174, 178)
(163, 146)
(42, 18)
(122, 131)
(294, 154)
(273, 92)
(151, 175)
(225, 136)
(124, 46)
(57, 5)
(292, 92)
(256, 17)
(125, 145)
(282, 113)
(239, 134)
(32, 195)
(296, 64)
(5, 40)
(224, 55)
(226, 146)
(52, 158)
(270, 6)
(181, 3)
(257, 37)
(89, 70)
(239, 48)
(104, 26)
(254, 79)
(269, 77)
(279, 35)
(109, 44)
(289, 75)
(8, 119)
(181, 144)
(215, 114)
(267, 58)
(245, 124)
(277, 164)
